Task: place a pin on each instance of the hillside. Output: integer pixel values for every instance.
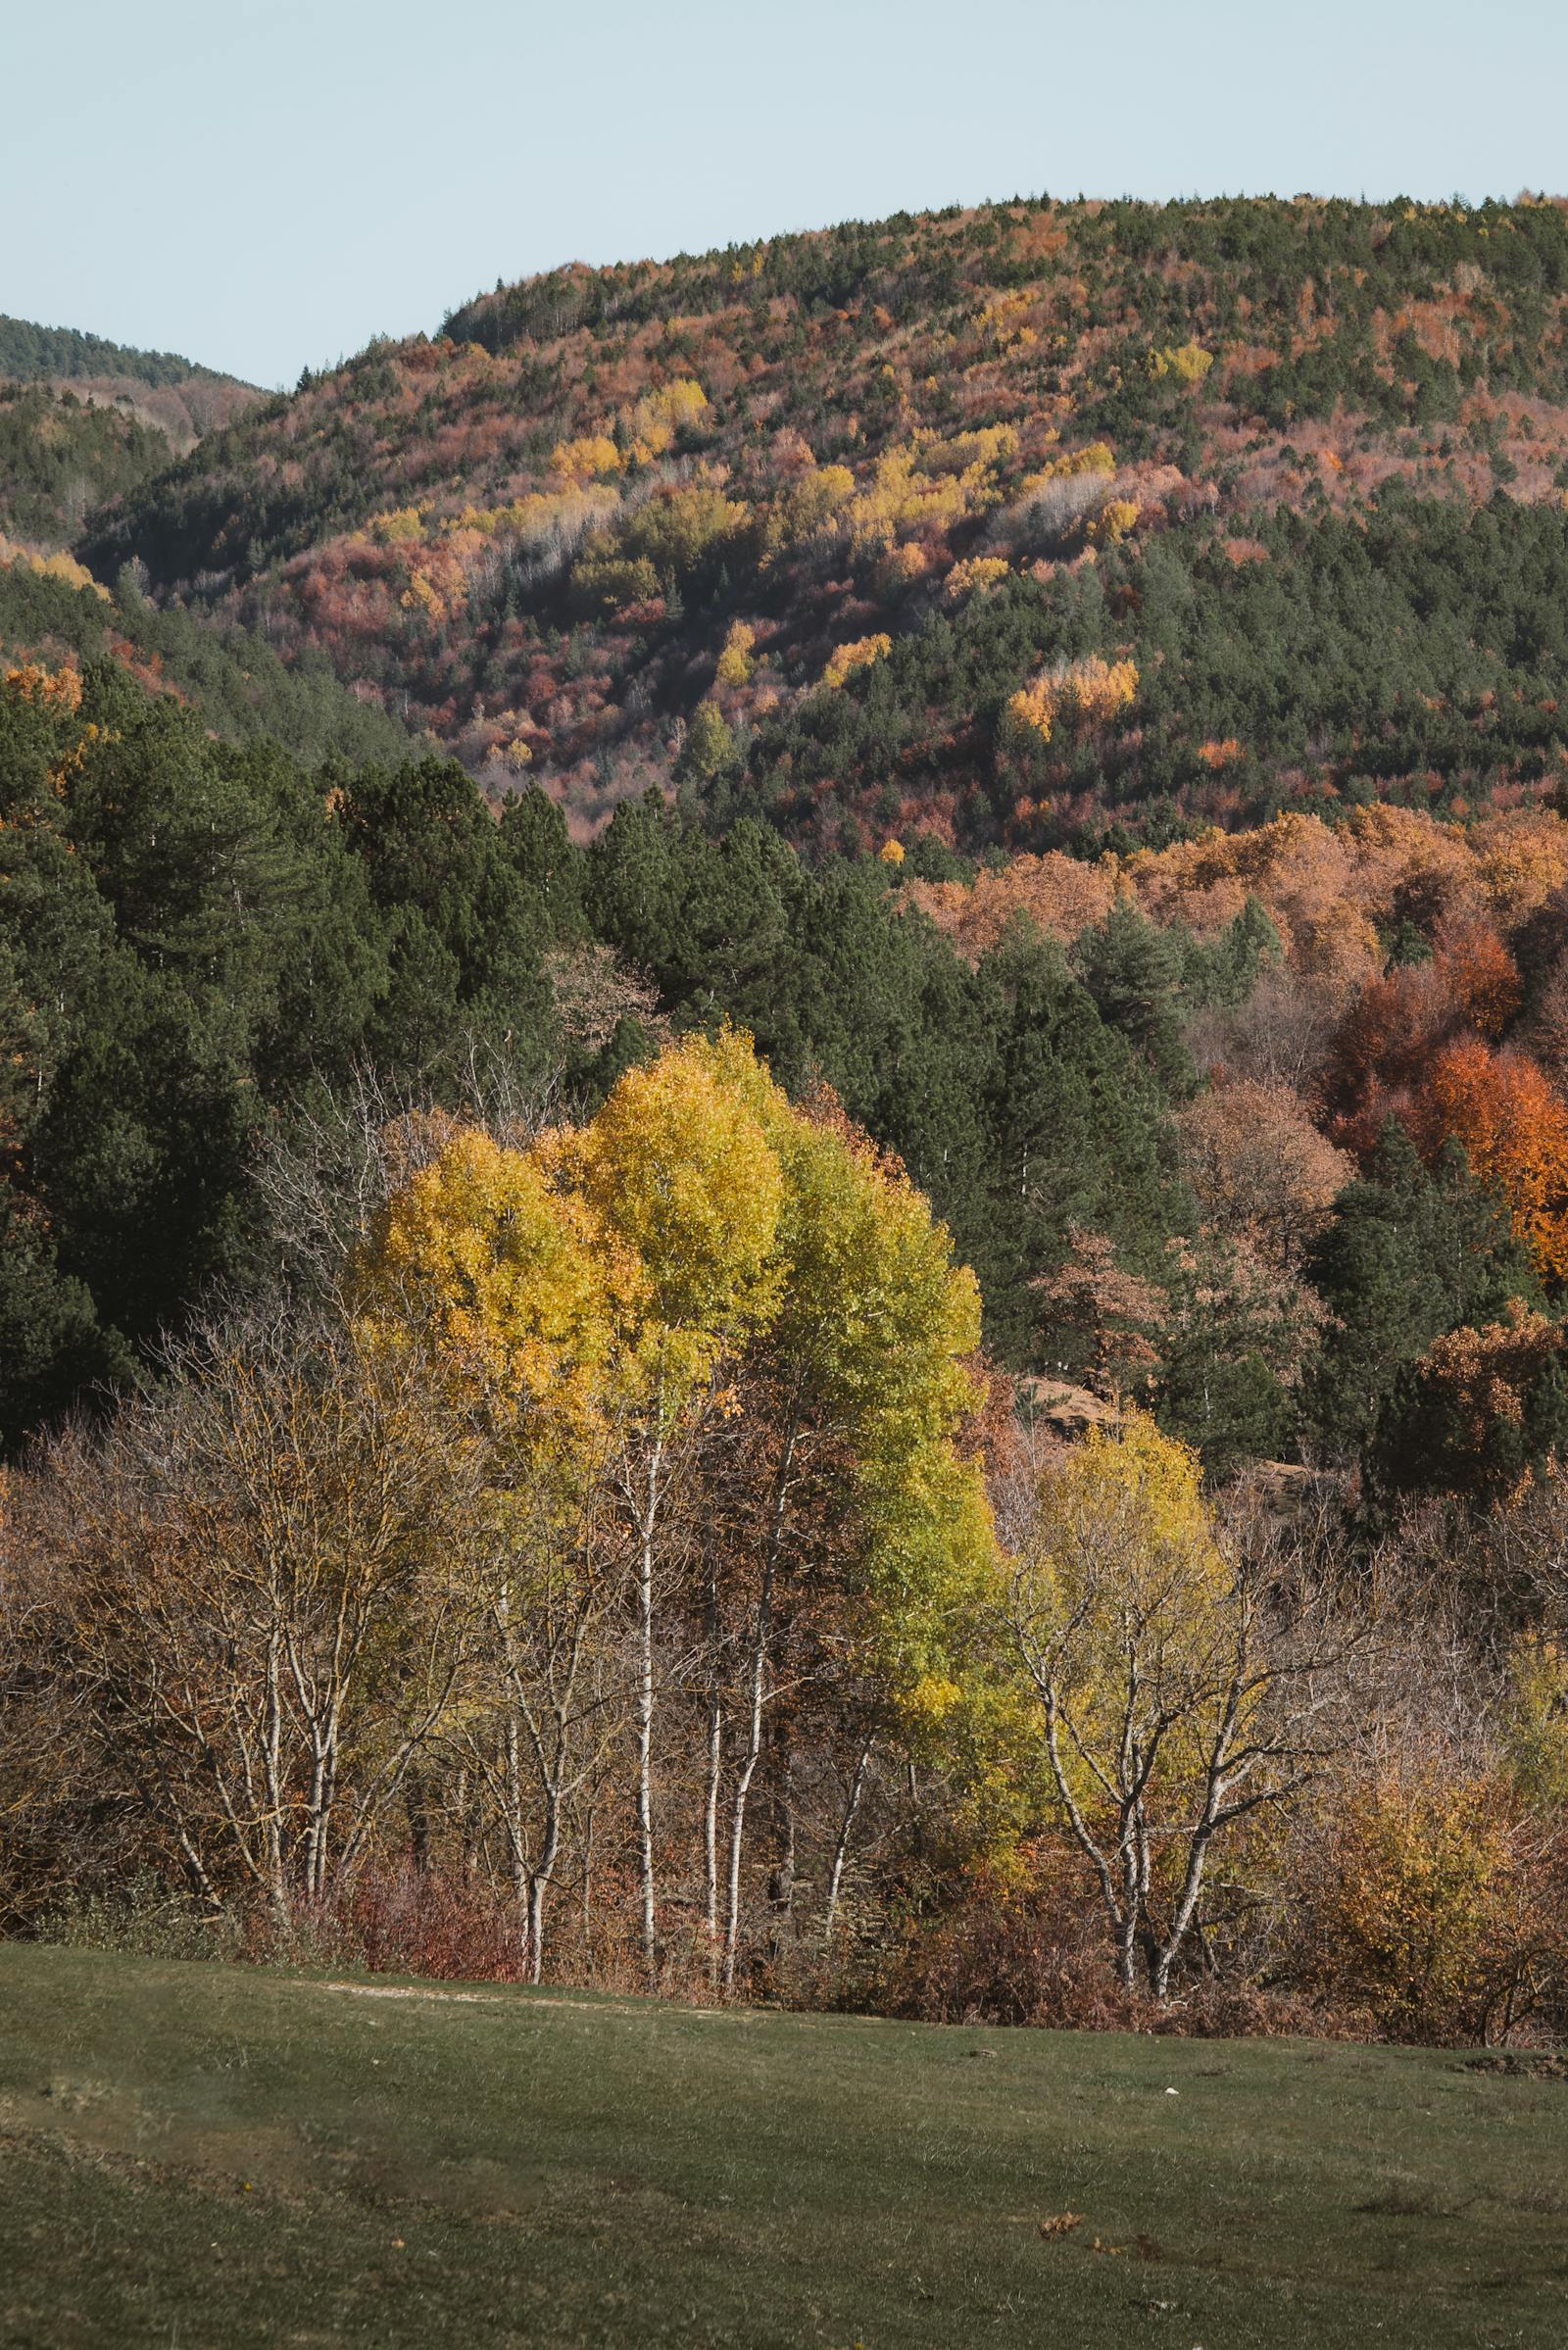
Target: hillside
(352, 2161)
(62, 456)
(1183, 1063)
(1021, 526)
(51, 609)
(34, 354)
(82, 421)
(179, 395)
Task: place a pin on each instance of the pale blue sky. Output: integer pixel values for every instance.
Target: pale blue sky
(265, 184)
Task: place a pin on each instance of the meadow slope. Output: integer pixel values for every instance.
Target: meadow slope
(203, 2155)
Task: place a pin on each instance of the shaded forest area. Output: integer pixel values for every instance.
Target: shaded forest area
(84, 421)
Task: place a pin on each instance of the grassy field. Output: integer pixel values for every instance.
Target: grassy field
(195, 2155)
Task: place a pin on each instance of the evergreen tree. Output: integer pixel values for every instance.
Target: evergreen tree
(1133, 970)
(1412, 1253)
(1073, 1119)
(465, 932)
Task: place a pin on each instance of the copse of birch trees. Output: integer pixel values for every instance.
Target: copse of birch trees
(613, 1480)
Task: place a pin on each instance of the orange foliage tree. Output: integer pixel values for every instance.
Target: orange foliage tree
(1514, 1126)
(1402, 1024)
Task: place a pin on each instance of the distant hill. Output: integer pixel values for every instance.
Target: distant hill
(1031, 525)
(62, 456)
(83, 420)
(34, 354)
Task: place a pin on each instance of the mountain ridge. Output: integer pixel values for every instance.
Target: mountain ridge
(33, 353)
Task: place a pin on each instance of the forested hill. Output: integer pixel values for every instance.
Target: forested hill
(82, 421)
(701, 1349)
(34, 354)
(1010, 527)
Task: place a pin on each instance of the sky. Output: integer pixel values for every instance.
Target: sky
(266, 185)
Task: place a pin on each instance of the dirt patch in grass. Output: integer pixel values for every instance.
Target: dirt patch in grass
(439, 1994)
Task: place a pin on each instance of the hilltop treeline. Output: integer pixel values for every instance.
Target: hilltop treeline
(83, 421)
(29, 353)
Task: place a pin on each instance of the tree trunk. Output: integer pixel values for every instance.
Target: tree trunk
(516, 1864)
(323, 1796)
(761, 1634)
(781, 1885)
(715, 1753)
(645, 1716)
(272, 1778)
(417, 1808)
(840, 1847)
(712, 1775)
(540, 1880)
(742, 1781)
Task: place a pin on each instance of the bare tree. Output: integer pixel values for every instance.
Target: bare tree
(542, 1702)
(644, 1480)
(327, 1174)
(273, 1605)
(1279, 1037)
(853, 1795)
(1185, 1683)
(759, 1640)
(54, 1823)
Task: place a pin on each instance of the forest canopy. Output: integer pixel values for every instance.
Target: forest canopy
(784, 1130)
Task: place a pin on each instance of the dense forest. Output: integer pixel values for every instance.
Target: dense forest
(1200, 1119)
(51, 611)
(82, 421)
(60, 457)
(812, 525)
(784, 1136)
(34, 354)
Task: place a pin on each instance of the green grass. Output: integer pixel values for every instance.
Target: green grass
(195, 2155)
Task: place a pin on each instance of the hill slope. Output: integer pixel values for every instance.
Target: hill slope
(61, 456)
(337, 2162)
(83, 420)
(1252, 503)
(51, 609)
(179, 395)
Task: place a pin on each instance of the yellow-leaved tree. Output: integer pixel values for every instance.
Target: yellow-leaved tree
(517, 1297)
(678, 1167)
(702, 1295)
(1175, 1697)
(521, 1290)
(876, 1533)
